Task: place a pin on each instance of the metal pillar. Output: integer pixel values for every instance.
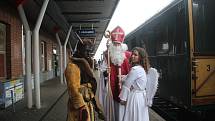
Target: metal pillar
(36, 54)
(28, 55)
(60, 55)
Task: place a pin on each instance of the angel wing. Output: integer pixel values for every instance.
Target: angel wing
(151, 85)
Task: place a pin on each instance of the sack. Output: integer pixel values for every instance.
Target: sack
(86, 91)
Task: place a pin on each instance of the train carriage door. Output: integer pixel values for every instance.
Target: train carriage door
(203, 54)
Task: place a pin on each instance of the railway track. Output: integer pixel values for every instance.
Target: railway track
(171, 112)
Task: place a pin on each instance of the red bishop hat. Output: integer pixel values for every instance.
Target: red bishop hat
(118, 35)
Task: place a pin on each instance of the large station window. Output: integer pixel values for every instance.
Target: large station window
(203, 18)
(2, 50)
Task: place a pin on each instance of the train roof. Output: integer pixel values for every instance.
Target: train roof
(171, 5)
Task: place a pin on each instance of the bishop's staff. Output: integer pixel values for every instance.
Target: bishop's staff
(107, 35)
(110, 103)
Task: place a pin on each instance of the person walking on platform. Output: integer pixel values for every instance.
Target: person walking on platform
(139, 87)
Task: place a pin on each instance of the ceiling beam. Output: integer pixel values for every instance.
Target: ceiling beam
(78, 27)
(82, 21)
(75, 0)
(81, 13)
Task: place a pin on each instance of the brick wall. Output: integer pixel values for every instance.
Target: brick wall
(49, 49)
(9, 16)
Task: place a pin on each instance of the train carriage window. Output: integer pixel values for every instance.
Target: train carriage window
(133, 43)
(163, 42)
(171, 31)
(203, 18)
(180, 29)
(149, 42)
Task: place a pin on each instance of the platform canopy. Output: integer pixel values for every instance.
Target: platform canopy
(81, 14)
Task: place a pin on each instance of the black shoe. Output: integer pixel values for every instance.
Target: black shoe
(100, 115)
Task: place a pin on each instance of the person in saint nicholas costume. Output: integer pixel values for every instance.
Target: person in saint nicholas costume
(119, 66)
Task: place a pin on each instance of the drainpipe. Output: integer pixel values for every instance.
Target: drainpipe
(36, 54)
(64, 48)
(28, 54)
(60, 55)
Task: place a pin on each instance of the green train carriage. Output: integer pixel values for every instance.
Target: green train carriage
(180, 42)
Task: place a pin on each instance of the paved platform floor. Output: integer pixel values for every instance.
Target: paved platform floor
(54, 106)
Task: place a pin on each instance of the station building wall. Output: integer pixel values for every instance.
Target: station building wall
(13, 44)
(12, 60)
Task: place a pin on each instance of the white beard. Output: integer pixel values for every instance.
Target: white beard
(117, 53)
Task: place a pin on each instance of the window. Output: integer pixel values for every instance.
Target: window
(180, 35)
(163, 40)
(43, 56)
(203, 17)
(2, 50)
(172, 32)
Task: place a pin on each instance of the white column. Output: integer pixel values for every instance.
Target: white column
(70, 47)
(36, 54)
(60, 58)
(28, 55)
(64, 48)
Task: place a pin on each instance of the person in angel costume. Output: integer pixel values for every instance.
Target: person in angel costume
(139, 87)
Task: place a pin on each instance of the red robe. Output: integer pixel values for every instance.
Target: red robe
(114, 81)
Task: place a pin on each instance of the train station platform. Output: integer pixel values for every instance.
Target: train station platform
(53, 106)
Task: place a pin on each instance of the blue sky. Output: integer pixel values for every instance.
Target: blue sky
(129, 14)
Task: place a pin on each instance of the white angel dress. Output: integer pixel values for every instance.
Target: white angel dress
(134, 91)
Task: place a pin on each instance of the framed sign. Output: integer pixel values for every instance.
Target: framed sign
(86, 32)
